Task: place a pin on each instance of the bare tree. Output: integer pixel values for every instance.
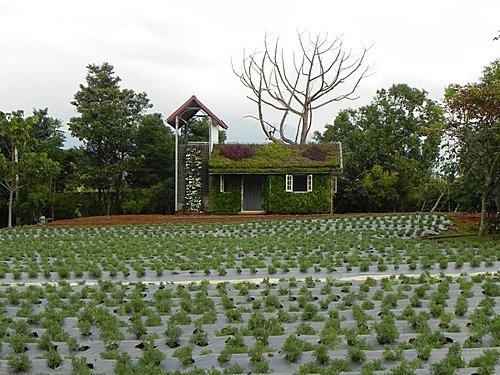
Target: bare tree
(321, 72)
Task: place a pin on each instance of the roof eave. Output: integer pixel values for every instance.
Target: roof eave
(200, 105)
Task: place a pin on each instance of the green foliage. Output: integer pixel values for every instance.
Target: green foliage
(199, 337)
(461, 306)
(370, 367)
(228, 201)
(79, 365)
(404, 368)
(277, 200)
(149, 176)
(24, 163)
(277, 158)
(274, 197)
(387, 331)
(184, 354)
(321, 354)
(107, 122)
(486, 362)
(53, 358)
(474, 128)
(18, 362)
(356, 354)
(389, 149)
(292, 348)
(224, 356)
(198, 131)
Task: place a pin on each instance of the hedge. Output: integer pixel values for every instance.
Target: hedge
(274, 197)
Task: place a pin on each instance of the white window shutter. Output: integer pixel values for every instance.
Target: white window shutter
(221, 183)
(289, 183)
(309, 182)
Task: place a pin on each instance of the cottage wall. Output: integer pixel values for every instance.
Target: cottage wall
(277, 200)
(274, 197)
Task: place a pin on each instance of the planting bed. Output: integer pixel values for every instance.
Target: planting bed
(357, 295)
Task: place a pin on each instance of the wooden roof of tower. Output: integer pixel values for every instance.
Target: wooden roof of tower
(189, 109)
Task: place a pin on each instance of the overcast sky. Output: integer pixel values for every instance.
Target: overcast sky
(174, 49)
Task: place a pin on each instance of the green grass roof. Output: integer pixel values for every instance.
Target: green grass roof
(273, 158)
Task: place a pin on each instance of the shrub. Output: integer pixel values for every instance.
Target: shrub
(356, 354)
(18, 362)
(185, 354)
(339, 365)
(199, 337)
(292, 348)
(236, 344)
(224, 356)
(173, 332)
(321, 354)
(151, 356)
(79, 365)
(315, 153)
(54, 359)
(486, 361)
(391, 354)
(85, 327)
(370, 367)
(305, 329)
(262, 367)
(309, 312)
(386, 330)
(237, 151)
(45, 343)
(235, 368)
(404, 368)
(256, 352)
(17, 343)
(424, 352)
(234, 315)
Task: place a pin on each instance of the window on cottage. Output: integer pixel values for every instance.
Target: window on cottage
(222, 184)
(289, 183)
(299, 183)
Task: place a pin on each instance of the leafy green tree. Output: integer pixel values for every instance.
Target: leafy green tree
(153, 152)
(46, 134)
(19, 161)
(474, 130)
(107, 122)
(390, 148)
(39, 194)
(197, 130)
(150, 177)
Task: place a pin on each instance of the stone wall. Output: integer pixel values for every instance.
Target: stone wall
(193, 176)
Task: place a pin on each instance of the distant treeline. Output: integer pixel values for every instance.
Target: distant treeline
(401, 152)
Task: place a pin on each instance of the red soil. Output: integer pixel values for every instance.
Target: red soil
(172, 219)
(460, 219)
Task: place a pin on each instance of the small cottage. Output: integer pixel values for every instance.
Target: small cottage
(250, 178)
(274, 178)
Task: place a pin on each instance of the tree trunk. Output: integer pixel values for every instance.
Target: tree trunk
(437, 203)
(482, 224)
(496, 196)
(52, 193)
(108, 203)
(11, 200)
(484, 199)
(423, 205)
